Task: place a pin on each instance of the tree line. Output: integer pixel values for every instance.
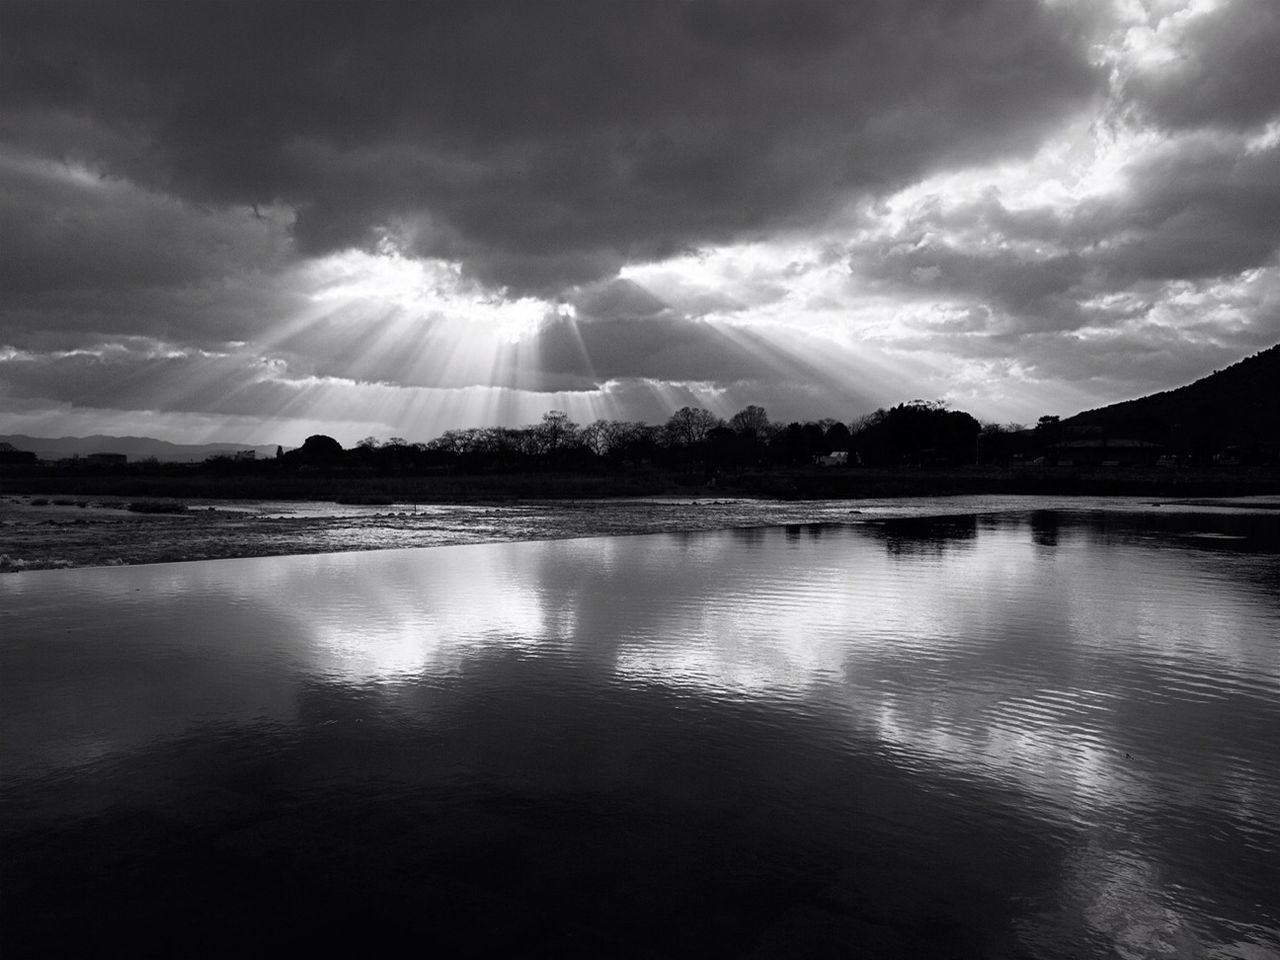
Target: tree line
(918, 433)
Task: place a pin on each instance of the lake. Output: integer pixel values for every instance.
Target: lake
(1022, 733)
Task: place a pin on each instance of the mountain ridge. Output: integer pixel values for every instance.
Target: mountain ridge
(135, 448)
(1238, 405)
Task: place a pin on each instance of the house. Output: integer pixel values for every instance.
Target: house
(1102, 452)
(12, 456)
(106, 459)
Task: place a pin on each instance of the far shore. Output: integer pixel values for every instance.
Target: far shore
(104, 521)
(262, 482)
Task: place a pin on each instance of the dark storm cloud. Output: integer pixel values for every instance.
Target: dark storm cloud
(620, 331)
(121, 376)
(1201, 206)
(135, 375)
(1194, 208)
(617, 298)
(1121, 366)
(72, 230)
(575, 355)
(541, 144)
(1226, 73)
(205, 315)
(1037, 292)
(84, 254)
(563, 354)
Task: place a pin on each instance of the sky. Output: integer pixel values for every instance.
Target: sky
(255, 221)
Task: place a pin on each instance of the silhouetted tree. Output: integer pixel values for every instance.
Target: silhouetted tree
(724, 447)
(319, 448)
(1002, 442)
(837, 437)
(1048, 431)
(689, 426)
(636, 441)
(751, 423)
(555, 432)
(798, 443)
(598, 436)
(917, 433)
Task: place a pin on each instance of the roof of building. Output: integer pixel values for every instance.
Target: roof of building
(1101, 443)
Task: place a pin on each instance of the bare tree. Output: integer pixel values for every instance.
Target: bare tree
(751, 423)
(690, 425)
(600, 436)
(556, 431)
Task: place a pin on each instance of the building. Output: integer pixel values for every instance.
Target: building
(1102, 452)
(12, 456)
(107, 459)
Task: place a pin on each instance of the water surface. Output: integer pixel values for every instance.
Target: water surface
(1032, 734)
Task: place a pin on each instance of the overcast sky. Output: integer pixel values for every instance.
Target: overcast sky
(255, 221)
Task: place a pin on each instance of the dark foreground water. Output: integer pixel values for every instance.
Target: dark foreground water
(1031, 735)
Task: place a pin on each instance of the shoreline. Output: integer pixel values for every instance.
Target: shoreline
(63, 532)
(265, 481)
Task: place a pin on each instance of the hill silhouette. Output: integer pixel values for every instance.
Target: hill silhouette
(1230, 412)
(135, 448)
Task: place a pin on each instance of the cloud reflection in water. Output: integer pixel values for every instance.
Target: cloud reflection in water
(1049, 683)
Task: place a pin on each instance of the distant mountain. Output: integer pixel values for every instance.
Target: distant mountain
(135, 448)
(1236, 407)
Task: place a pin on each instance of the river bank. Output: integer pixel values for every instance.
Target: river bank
(266, 481)
(59, 531)
(40, 532)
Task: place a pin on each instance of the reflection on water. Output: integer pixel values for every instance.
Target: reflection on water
(1048, 735)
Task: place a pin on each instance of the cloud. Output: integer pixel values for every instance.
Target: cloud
(543, 144)
(86, 253)
(117, 387)
(1217, 68)
(69, 228)
(443, 214)
(1199, 205)
(1194, 208)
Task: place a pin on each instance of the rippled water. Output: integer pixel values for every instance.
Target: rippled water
(1038, 734)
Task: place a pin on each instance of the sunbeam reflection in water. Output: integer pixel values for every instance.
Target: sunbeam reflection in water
(1045, 734)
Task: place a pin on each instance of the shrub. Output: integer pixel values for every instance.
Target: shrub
(157, 506)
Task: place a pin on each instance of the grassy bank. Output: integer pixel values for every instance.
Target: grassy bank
(357, 488)
(1050, 481)
(788, 484)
